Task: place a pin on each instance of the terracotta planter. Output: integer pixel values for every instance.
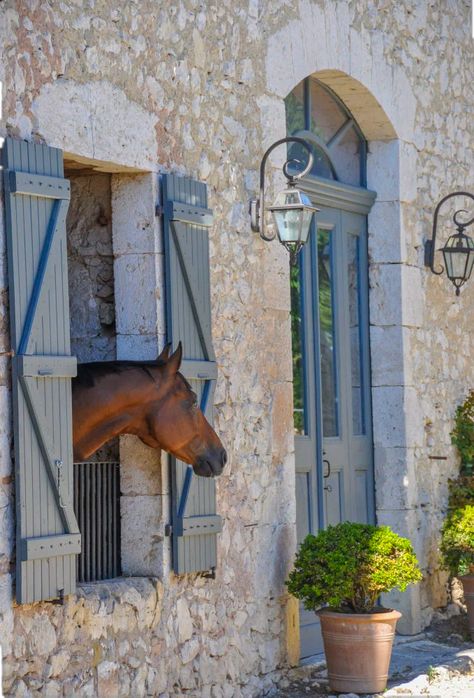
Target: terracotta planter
(468, 587)
(358, 648)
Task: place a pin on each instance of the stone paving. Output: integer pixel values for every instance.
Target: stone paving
(419, 667)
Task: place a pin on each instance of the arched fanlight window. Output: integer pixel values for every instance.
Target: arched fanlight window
(315, 113)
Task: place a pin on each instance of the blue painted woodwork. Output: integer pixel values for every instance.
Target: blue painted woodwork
(48, 538)
(186, 219)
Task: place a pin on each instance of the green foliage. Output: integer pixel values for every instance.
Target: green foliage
(297, 349)
(349, 565)
(462, 435)
(457, 542)
(325, 289)
(461, 491)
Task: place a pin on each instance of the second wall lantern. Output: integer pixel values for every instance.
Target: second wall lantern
(458, 251)
(292, 210)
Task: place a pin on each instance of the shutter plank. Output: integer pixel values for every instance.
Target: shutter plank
(188, 317)
(39, 315)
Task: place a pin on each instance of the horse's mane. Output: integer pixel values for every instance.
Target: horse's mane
(88, 374)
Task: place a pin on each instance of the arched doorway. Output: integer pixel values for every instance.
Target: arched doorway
(330, 326)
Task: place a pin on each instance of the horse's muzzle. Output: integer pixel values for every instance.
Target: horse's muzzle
(211, 464)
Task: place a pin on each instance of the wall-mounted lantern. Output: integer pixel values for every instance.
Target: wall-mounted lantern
(292, 210)
(458, 252)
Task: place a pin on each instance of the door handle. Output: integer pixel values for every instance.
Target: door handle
(328, 488)
(328, 474)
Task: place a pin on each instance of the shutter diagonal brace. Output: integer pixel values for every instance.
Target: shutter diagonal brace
(185, 492)
(65, 510)
(59, 207)
(187, 270)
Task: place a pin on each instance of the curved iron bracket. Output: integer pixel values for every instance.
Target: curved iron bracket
(257, 206)
(430, 248)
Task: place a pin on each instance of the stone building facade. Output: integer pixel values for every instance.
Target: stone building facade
(129, 90)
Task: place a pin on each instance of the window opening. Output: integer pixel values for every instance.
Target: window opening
(314, 112)
(93, 338)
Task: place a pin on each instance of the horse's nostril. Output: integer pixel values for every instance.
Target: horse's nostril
(224, 457)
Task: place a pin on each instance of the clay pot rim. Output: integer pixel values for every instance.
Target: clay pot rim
(469, 575)
(382, 615)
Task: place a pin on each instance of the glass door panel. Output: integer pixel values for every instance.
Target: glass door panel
(297, 341)
(327, 333)
(353, 275)
(360, 504)
(328, 244)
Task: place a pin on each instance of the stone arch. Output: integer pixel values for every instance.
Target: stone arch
(366, 109)
(326, 40)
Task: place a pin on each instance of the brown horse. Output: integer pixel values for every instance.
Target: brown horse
(149, 399)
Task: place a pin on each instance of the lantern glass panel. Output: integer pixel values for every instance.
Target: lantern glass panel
(455, 262)
(293, 223)
(470, 264)
(458, 256)
(288, 197)
(288, 224)
(306, 224)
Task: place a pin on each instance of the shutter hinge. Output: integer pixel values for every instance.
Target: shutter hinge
(168, 530)
(158, 210)
(60, 601)
(210, 574)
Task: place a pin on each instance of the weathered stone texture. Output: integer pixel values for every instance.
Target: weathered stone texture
(91, 275)
(91, 268)
(198, 88)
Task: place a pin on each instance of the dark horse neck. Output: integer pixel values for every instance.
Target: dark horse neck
(111, 398)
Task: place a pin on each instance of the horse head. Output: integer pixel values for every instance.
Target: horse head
(179, 425)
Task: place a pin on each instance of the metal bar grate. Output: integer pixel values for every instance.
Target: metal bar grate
(97, 507)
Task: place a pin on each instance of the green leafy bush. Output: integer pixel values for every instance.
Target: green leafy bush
(347, 566)
(462, 435)
(461, 491)
(457, 542)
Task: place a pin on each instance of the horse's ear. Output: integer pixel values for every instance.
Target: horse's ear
(174, 362)
(165, 353)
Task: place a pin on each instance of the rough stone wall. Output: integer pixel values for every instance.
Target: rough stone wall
(198, 88)
(91, 277)
(91, 268)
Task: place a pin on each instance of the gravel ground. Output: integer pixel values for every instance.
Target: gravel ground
(438, 663)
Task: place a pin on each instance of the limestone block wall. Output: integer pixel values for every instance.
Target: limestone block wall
(91, 268)
(91, 276)
(194, 88)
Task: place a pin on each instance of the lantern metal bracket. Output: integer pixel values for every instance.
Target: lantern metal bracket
(430, 248)
(257, 206)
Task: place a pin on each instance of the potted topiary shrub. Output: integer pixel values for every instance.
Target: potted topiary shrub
(457, 549)
(346, 567)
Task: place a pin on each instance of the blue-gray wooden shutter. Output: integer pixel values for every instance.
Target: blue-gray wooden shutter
(188, 318)
(36, 202)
